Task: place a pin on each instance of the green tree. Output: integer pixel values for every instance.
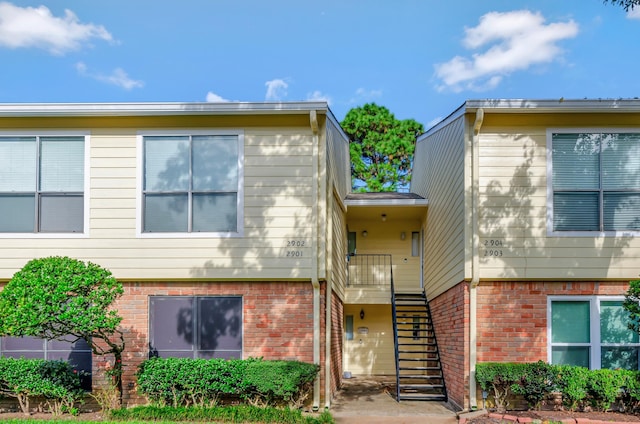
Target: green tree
(626, 4)
(57, 297)
(381, 148)
(632, 305)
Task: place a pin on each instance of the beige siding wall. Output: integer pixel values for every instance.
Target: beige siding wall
(338, 183)
(439, 176)
(371, 350)
(338, 248)
(278, 205)
(385, 238)
(513, 209)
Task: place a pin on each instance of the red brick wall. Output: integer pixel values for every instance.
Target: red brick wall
(337, 331)
(450, 313)
(512, 317)
(277, 319)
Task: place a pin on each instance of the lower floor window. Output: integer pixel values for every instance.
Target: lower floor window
(77, 353)
(591, 332)
(195, 326)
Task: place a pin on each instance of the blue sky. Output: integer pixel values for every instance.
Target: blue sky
(419, 58)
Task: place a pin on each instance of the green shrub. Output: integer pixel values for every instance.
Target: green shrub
(202, 382)
(280, 382)
(536, 382)
(604, 387)
(572, 382)
(55, 381)
(500, 379)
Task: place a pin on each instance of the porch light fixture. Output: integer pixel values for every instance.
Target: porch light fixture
(384, 217)
(364, 233)
(361, 313)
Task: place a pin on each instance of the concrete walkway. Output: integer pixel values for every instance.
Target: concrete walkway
(371, 400)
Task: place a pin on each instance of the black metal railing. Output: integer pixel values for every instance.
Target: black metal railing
(369, 270)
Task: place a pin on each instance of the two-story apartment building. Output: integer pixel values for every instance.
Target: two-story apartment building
(235, 234)
(531, 234)
(215, 217)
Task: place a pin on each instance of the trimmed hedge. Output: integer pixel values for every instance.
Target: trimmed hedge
(203, 382)
(580, 387)
(54, 382)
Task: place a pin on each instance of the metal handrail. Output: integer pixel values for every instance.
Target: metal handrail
(369, 270)
(395, 337)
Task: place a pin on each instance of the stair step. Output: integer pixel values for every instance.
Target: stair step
(417, 376)
(434, 359)
(423, 396)
(414, 369)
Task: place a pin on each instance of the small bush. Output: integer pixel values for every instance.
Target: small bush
(572, 383)
(536, 382)
(600, 389)
(55, 381)
(501, 379)
(202, 382)
(276, 382)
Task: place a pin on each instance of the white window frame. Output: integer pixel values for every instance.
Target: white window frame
(595, 345)
(86, 185)
(588, 130)
(140, 184)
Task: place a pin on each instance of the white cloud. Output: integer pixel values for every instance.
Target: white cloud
(634, 13)
(118, 77)
(214, 98)
(318, 96)
(276, 90)
(363, 95)
(27, 27)
(512, 40)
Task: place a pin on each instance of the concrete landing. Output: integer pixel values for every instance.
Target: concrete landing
(371, 400)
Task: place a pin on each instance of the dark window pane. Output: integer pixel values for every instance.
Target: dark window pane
(64, 214)
(24, 354)
(68, 345)
(18, 213)
(166, 213)
(22, 343)
(222, 354)
(171, 323)
(220, 325)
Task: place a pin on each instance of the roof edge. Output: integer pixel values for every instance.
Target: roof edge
(157, 108)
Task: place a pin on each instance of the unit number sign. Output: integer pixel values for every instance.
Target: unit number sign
(294, 248)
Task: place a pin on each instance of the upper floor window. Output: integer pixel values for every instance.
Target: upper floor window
(192, 183)
(595, 181)
(42, 184)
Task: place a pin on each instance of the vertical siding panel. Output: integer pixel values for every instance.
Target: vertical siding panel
(439, 177)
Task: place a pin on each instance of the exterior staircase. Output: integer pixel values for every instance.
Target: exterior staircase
(418, 369)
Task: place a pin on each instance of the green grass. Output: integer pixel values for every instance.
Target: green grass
(240, 414)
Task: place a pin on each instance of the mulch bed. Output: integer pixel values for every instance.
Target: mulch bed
(559, 416)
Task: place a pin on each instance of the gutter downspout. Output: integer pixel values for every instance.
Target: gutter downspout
(475, 258)
(313, 120)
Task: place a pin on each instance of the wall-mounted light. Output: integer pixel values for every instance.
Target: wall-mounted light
(403, 235)
(384, 217)
(364, 233)
(361, 313)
